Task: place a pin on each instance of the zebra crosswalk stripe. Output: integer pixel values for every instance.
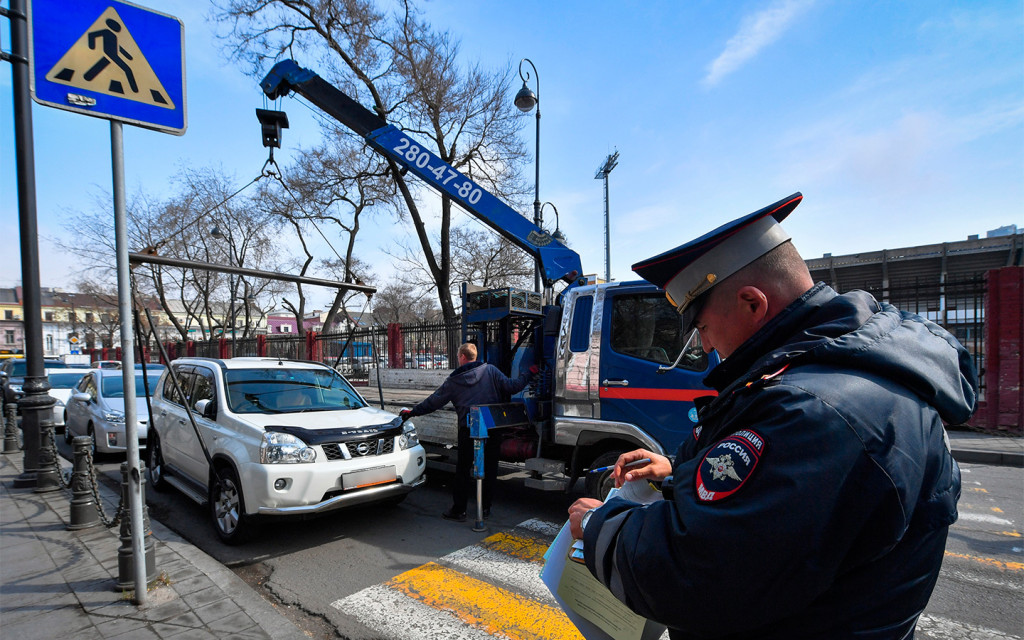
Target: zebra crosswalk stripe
(491, 589)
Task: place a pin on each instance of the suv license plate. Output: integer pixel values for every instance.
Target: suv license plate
(368, 477)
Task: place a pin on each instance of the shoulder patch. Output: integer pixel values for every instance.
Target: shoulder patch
(727, 465)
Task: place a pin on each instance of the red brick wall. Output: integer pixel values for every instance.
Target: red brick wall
(1003, 409)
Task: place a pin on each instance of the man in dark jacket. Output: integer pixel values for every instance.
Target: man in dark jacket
(815, 494)
(472, 383)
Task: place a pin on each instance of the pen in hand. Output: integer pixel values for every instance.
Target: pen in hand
(628, 464)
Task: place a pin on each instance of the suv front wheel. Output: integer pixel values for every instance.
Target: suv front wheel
(227, 506)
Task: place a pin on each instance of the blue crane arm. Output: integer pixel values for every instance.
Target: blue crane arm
(557, 261)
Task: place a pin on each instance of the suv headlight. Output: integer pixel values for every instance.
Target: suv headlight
(284, 448)
(408, 439)
(114, 417)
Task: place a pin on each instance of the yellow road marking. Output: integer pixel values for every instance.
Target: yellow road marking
(997, 509)
(992, 562)
(977, 489)
(521, 547)
(482, 605)
(1012, 534)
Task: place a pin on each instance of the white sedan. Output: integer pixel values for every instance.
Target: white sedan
(96, 409)
(62, 385)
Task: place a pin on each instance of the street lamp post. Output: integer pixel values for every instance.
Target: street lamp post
(525, 101)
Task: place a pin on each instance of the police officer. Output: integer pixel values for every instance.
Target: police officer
(815, 494)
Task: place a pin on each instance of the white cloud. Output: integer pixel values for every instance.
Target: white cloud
(756, 32)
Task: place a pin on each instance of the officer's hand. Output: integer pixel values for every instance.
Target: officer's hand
(534, 369)
(576, 512)
(658, 468)
(405, 414)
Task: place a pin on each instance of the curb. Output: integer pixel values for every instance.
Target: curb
(999, 458)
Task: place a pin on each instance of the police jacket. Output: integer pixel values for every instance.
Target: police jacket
(474, 383)
(815, 495)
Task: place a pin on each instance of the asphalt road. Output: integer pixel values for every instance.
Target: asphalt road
(319, 570)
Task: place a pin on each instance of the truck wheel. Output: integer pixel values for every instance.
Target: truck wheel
(155, 464)
(227, 507)
(599, 484)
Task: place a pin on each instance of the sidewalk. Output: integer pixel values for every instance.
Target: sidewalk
(56, 583)
(972, 446)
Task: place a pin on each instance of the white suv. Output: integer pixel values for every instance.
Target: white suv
(278, 437)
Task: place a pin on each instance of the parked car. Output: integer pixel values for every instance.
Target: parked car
(283, 438)
(62, 385)
(12, 376)
(96, 409)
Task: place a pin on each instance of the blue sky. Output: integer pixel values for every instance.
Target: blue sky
(901, 122)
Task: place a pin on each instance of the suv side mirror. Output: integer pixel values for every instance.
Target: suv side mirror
(81, 397)
(207, 408)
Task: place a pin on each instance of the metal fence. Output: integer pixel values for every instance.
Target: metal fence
(956, 304)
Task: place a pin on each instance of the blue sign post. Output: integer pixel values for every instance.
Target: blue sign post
(109, 59)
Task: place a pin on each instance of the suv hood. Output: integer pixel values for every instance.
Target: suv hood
(315, 420)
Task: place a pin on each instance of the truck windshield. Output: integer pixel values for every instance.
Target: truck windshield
(280, 390)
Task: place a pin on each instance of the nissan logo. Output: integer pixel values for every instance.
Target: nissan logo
(363, 448)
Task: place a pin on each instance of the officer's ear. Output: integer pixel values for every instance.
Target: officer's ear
(751, 306)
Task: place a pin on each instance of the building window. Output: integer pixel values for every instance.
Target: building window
(9, 336)
(8, 314)
(88, 316)
(285, 328)
(49, 343)
(49, 316)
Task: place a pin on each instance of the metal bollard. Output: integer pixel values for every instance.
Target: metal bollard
(479, 419)
(10, 427)
(84, 513)
(46, 477)
(125, 558)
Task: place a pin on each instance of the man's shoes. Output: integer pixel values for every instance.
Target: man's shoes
(451, 514)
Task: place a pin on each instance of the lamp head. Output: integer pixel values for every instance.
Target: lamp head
(526, 99)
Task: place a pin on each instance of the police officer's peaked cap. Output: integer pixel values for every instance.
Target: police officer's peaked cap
(688, 271)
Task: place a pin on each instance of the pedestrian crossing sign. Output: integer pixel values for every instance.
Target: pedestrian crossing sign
(109, 59)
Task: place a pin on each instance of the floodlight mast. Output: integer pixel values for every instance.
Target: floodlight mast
(610, 163)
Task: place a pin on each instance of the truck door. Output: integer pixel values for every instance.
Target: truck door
(641, 332)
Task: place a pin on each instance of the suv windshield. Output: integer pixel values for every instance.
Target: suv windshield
(280, 390)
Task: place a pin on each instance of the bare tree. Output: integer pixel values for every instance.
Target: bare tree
(397, 301)
(326, 192)
(411, 75)
(181, 227)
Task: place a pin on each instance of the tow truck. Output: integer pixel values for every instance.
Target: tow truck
(618, 371)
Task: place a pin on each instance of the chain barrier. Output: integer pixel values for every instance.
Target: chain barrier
(66, 484)
(64, 481)
(107, 522)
